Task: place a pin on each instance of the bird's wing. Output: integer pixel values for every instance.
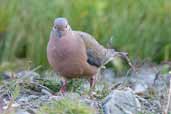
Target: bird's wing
(96, 53)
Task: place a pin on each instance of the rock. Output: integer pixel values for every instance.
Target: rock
(121, 102)
(46, 92)
(6, 75)
(13, 105)
(146, 79)
(32, 97)
(21, 111)
(146, 74)
(140, 88)
(31, 102)
(27, 74)
(150, 106)
(107, 76)
(44, 98)
(1, 106)
(23, 99)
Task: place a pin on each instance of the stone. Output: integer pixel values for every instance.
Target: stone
(21, 111)
(107, 76)
(121, 102)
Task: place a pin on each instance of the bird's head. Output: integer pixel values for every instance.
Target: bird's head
(61, 26)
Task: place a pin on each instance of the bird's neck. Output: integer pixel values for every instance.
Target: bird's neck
(59, 34)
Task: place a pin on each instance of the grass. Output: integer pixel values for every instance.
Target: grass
(66, 106)
(140, 27)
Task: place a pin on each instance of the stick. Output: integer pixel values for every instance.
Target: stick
(7, 111)
(169, 99)
(125, 55)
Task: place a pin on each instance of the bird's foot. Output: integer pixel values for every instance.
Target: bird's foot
(92, 94)
(92, 82)
(92, 86)
(62, 90)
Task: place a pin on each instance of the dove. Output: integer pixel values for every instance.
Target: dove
(75, 54)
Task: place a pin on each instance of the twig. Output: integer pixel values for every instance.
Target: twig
(7, 111)
(38, 67)
(125, 55)
(1, 101)
(169, 99)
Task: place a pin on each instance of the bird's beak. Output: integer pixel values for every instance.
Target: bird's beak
(57, 32)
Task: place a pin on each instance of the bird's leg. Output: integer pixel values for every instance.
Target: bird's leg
(61, 91)
(63, 87)
(92, 82)
(92, 85)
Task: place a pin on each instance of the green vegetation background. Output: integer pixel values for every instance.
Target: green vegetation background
(140, 27)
